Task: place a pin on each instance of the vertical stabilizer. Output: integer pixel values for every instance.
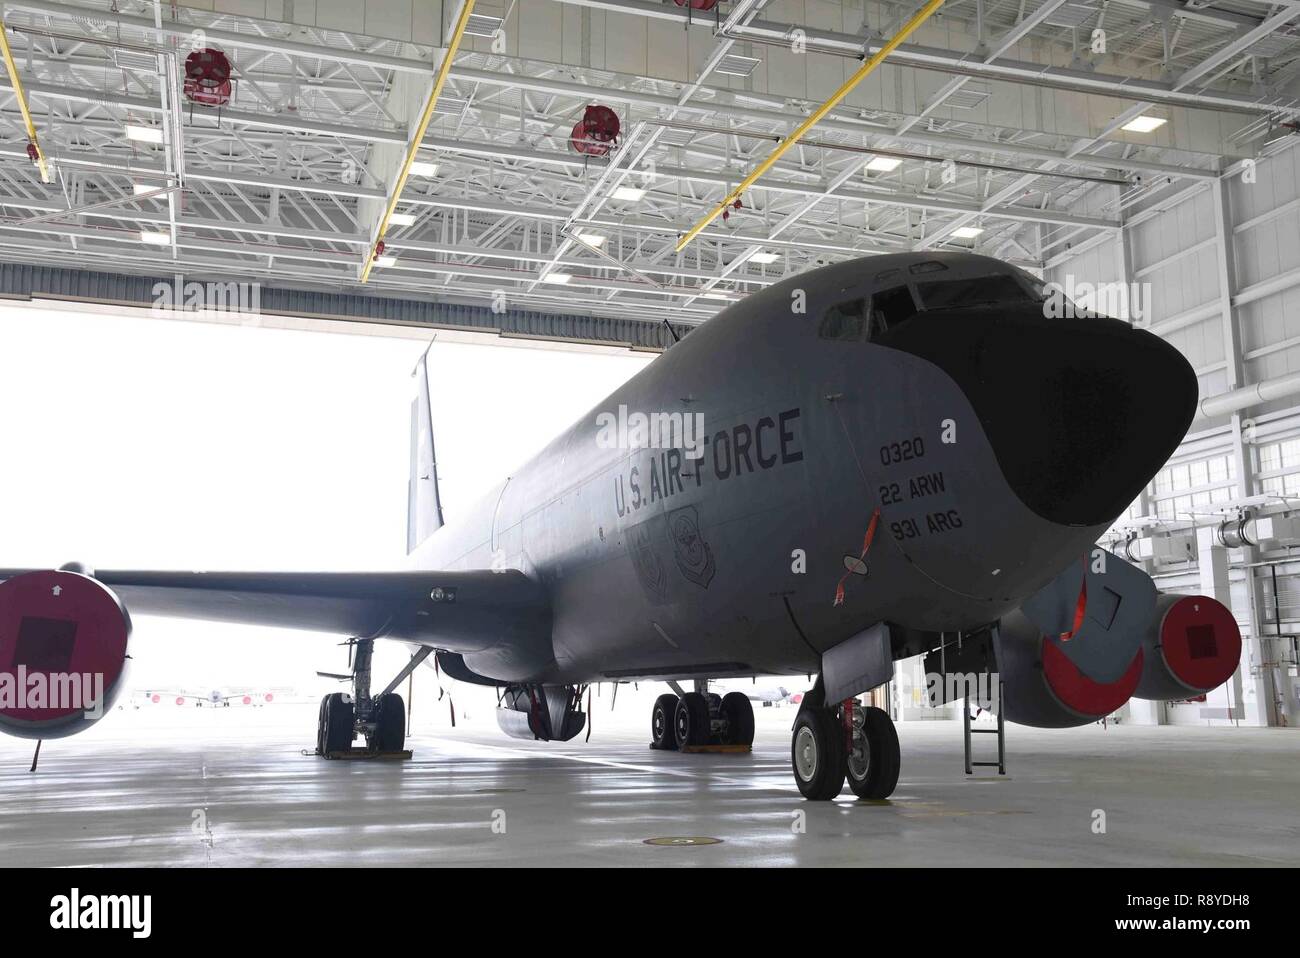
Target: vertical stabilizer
(423, 499)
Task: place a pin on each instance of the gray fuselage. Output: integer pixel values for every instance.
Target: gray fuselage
(657, 565)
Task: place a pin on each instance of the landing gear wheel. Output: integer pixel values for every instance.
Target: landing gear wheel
(339, 716)
(817, 754)
(874, 759)
(739, 714)
(662, 718)
(691, 723)
(390, 723)
(321, 724)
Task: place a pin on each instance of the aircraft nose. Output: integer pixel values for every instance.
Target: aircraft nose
(1081, 412)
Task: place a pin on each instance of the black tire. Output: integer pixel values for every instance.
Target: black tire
(740, 718)
(879, 776)
(691, 724)
(817, 754)
(339, 716)
(662, 719)
(390, 723)
(321, 723)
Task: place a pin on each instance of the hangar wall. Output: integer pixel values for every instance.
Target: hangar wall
(24, 282)
(1215, 270)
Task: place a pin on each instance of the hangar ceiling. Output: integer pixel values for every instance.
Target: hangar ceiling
(999, 128)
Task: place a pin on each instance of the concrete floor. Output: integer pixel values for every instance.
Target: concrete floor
(229, 787)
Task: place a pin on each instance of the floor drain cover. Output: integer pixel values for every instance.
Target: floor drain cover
(697, 840)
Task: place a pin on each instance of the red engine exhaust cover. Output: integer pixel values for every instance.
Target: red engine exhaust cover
(63, 653)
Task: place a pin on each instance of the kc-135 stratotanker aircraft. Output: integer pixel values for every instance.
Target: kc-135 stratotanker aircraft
(902, 454)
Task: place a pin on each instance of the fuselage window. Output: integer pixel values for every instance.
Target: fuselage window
(977, 291)
(845, 321)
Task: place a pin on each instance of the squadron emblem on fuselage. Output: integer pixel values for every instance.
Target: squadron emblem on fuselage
(693, 555)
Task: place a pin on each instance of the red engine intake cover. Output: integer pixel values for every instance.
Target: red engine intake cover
(1081, 694)
(63, 647)
(1200, 642)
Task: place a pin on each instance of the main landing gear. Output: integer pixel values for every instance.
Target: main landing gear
(700, 719)
(846, 740)
(379, 719)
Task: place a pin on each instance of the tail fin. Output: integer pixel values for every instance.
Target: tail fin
(423, 500)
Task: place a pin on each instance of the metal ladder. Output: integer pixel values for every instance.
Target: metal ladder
(1000, 731)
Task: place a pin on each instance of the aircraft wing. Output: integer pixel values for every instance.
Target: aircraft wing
(477, 606)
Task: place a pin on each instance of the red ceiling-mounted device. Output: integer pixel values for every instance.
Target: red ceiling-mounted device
(597, 132)
(207, 77)
(693, 5)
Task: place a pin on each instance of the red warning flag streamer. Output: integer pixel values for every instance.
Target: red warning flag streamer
(866, 545)
(1080, 605)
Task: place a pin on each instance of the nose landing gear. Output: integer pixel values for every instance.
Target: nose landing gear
(846, 741)
(873, 759)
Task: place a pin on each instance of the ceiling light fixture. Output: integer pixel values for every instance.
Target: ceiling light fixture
(144, 134)
(1144, 124)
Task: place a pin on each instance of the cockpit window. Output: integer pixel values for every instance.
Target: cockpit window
(845, 321)
(977, 291)
(890, 307)
(859, 320)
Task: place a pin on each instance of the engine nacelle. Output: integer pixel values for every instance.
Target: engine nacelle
(549, 713)
(1193, 646)
(63, 653)
(1043, 688)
